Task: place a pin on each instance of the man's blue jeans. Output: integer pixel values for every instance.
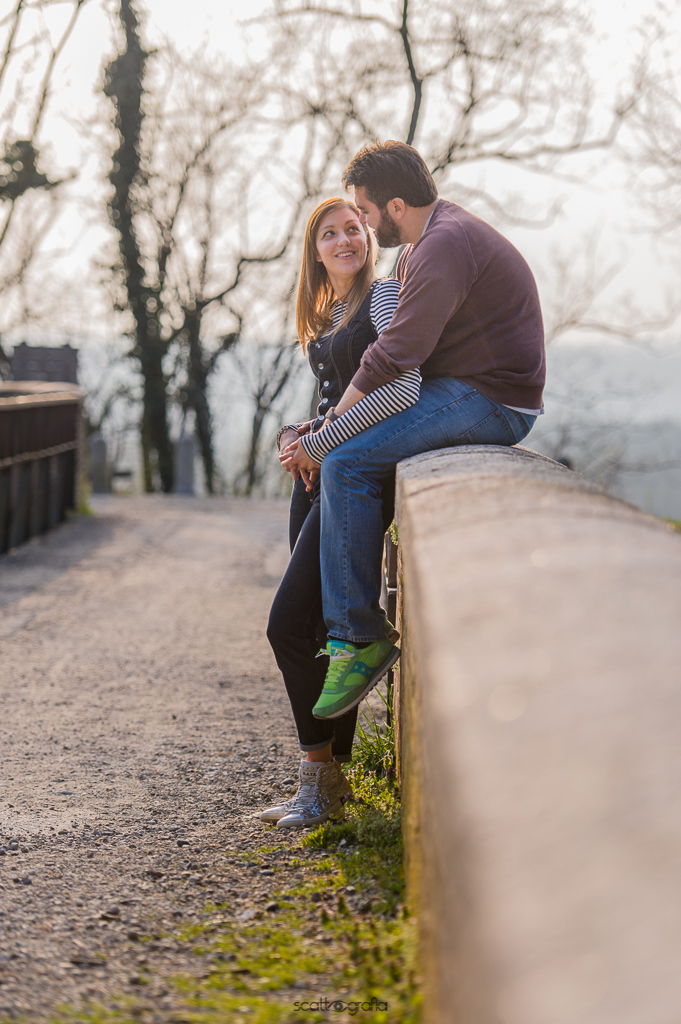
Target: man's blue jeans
(447, 413)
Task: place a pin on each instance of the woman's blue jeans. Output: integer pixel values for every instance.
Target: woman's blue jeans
(448, 412)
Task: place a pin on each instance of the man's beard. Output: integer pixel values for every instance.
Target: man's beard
(388, 232)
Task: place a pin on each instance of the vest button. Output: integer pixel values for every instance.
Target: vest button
(320, 365)
(326, 383)
(324, 401)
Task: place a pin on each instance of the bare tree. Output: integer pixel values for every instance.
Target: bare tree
(269, 370)
(28, 195)
(113, 396)
(583, 297)
(469, 83)
(187, 273)
(162, 207)
(472, 85)
(231, 164)
(210, 210)
(593, 411)
(125, 86)
(652, 144)
(598, 419)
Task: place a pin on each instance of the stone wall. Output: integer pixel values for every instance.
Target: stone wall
(540, 742)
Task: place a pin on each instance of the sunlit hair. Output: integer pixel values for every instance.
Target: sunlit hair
(391, 170)
(315, 294)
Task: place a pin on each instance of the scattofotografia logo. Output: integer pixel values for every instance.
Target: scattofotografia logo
(339, 1005)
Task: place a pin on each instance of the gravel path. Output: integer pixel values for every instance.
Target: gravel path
(143, 723)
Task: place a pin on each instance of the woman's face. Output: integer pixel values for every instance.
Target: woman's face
(341, 247)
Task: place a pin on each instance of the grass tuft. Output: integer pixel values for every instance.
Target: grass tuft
(374, 750)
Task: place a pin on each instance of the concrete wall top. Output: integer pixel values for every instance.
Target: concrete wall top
(544, 629)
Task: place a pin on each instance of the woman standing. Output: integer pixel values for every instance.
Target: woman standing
(341, 310)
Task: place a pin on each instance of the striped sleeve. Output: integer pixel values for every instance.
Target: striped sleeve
(385, 401)
(384, 303)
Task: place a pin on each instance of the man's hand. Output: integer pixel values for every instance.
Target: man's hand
(297, 462)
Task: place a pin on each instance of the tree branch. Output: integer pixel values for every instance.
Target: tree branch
(416, 82)
(56, 51)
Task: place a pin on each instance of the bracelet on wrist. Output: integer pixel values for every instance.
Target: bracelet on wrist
(282, 431)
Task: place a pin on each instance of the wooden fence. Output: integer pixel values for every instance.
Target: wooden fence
(41, 441)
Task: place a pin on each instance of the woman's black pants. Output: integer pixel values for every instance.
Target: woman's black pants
(296, 629)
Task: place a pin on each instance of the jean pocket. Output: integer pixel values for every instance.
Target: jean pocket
(519, 423)
(494, 428)
(472, 419)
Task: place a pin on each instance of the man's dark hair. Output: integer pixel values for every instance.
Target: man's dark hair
(391, 170)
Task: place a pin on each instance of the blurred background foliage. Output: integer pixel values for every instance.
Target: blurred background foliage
(163, 236)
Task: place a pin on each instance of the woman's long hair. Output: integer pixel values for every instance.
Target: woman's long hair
(315, 294)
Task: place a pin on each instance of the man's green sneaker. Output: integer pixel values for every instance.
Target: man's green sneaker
(352, 673)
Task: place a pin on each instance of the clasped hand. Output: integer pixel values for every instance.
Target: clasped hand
(298, 463)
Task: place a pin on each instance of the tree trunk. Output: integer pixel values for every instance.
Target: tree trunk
(197, 397)
(124, 85)
(251, 469)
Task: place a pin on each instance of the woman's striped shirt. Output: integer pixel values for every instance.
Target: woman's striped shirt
(384, 401)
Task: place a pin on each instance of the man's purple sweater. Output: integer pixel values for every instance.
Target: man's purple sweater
(468, 308)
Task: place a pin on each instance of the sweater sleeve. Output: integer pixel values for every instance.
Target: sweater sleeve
(380, 404)
(440, 271)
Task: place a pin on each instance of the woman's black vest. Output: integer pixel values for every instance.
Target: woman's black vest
(335, 359)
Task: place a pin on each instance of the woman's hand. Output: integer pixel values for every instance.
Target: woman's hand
(297, 462)
(290, 436)
(285, 438)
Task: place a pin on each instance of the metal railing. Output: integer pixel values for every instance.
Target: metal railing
(389, 603)
(41, 442)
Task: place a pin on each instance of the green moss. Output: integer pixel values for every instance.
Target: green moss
(84, 507)
(126, 1012)
(311, 950)
(342, 934)
(373, 839)
(325, 953)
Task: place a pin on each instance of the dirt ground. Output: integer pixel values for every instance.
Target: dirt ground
(143, 724)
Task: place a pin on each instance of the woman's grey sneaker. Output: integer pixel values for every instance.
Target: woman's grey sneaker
(323, 791)
(307, 774)
(273, 814)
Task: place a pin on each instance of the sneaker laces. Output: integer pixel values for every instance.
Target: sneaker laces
(306, 791)
(336, 667)
(341, 652)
